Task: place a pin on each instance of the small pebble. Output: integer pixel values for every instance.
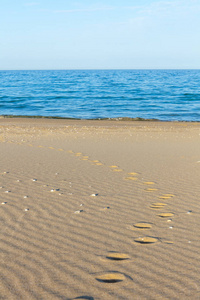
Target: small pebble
(81, 204)
(78, 211)
(171, 227)
(7, 191)
(107, 207)
(94, 195)
(3, 202)
(26, 209)
(189, 242)
(169, 220)
(25, 196)
(189, 212)
(34, 179)
(55, 190)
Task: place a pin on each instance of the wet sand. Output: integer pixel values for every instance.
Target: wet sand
(99, 209)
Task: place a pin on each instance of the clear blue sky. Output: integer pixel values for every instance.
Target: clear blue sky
(106, 34)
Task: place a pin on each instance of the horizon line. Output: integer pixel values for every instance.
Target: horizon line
(98, 69)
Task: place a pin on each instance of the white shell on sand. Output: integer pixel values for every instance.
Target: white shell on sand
(3, 202)
(26, 209)
(7, 191)
(34, 179)
(78, 211)
(94, 195)
(25, 196)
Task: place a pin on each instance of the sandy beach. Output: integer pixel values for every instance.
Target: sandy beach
(99, 209)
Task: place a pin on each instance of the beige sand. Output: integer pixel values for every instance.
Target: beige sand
(83, 214)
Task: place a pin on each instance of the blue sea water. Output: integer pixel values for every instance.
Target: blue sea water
(91, 94)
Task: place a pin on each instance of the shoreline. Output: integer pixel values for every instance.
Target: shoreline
(121, 119)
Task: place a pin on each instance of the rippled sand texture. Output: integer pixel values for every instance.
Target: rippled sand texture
(99, 210)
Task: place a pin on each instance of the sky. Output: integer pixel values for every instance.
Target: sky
(106, 34)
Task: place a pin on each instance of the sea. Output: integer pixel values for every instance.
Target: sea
(166, 95)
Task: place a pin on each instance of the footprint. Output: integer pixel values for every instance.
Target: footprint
(165, 215)
(132, 173)
(131, 178)
(151, 190)
(117, 256)
(146, 240)
(167, 242)
(110, 277)
(142, 225)
(157, 205)
(166, 196)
